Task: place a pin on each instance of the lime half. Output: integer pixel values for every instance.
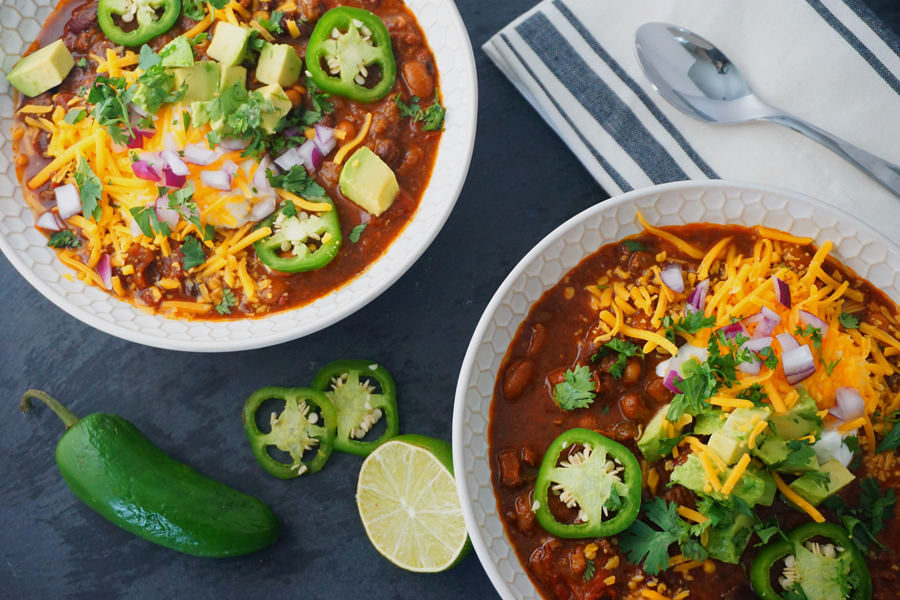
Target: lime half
(409, 506)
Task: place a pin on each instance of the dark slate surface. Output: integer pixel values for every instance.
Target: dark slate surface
(52, 546)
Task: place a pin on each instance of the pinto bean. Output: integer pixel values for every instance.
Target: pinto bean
(83, 18)
(626, 431)
(275, 292)
(557, 376)
(659, 392)
(387, 151)
(348, 128)
(295, 95)
(518, 378)
(538, 335)
(632, 371)
(418, 79)
(633, 407)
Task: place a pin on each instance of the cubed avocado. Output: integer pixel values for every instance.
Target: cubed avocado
(231, 75)
(709, 421)
(199, 114)
(801, 420)
(279, 100)
(369, 182)
(728, 543)
(41, 70)
(202, 81)
(809, 488)
(726, 447)
(653, 435)
(279, 63)
(730, 442)
(177, 53)
(770, 449)
(229, 44)
(769, 487)
(751, 487)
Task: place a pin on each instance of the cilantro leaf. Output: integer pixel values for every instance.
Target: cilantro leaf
(634, 246)
(296, 181)
(576, 391)
(829, 366)
(848, 321)
(193, 253)
(75, 116)
(193, 9)
(624, 350)
(614, 502)
(110, 98)
(852, 442)
(357, 231)
(692, 323)
(867, 521)
(150, 225)
(643, 543)
(820, 478)
(799, 457)
(90, 189)
(224, 307)
(64, 239)
(148, 58)
(433, 117)
(756, 394)
(82, 62)
(590, 569)
(769, 358)
(813, 333)
(766, 530)
(410, 110)
(273, 23)
(891, 440)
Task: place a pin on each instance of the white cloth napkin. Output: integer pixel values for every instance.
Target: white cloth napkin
(831, 62)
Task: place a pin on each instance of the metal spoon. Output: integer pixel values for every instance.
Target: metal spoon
(702, 83)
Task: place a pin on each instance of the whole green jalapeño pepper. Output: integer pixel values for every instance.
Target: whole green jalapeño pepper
(287, 249)
(113, 468)
(818, 572)
(146, 12)
(345, 44)
(306, 423)
(348, 384)
(602, 480)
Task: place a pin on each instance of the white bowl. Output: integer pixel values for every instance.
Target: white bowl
(26, 248)
(857, 245)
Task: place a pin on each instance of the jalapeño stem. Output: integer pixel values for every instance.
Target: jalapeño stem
(68, 418)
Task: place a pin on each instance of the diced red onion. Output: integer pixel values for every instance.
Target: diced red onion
(234, 143)
(837, 412)
(771, 319)
(310, 155)
(750, 367)
(787, 342)
(671, 275)
(828, 445)
(752, 319)
(200, 155)
(137, 109)
(137, 140)
(753, 366)
(782, 292)
(798, 364)
(48, 221)
(230, 167)
(218, 180)
(807, 318)
(104, 270)
(164, 213)
(170, 144)
(850, 402)
(172, 180)
(262, 209)
(671, 381)
(144, 170)
(260, 180)
(697, 300)
(758, 344)
(732, 330)
(325, 141)
(68, 201)
(152, 158)
(174, 162)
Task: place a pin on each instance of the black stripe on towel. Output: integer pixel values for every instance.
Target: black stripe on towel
(857, 44)
(886, 34)
(610, 170)
(586, 86)
(634, 87)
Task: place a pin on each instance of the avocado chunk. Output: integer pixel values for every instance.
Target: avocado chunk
(728, 543)
(177, 53)
(821, 577)
(771, 450)
(809, 488)
(709, 421)
(730, 442)
(232, 75)
(801, 420)
(769, 486)
(229, 44)
(199, 114)
(753, 487)
(654, 435)
(281, 103)
(41, 70)
(369, 182)
(202, 81)
(279, 63)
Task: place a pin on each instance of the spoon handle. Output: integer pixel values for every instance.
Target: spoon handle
(885, 173)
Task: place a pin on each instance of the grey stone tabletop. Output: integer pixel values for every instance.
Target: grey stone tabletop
(52, 546)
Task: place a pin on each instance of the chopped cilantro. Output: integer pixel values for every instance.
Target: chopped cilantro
(820, 478)
(193, 253)
(357, 231)
(891, 439)
(150, 225)
(576, 390)
(766, 530)
(848, 321)
(624, 350)
(148, 58)
(756, 394)
(691, 324)
(82, 62)
(634, 246)
(590, 569)
(813, 333)
(199, 39)
(852, 443)
(289, 209)
(799, 456)
(605, 410)
(193, 9)
(224, 307)
(431, 117)
(296, 181)
(829, 366)
(273, 23)
(644, 543)
(89, 188)
(408, 110)
(865, 522)
(769, 358)
(110, 98)
(64, 239)
(75, 116)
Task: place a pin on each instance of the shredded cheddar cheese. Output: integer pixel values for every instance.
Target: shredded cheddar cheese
(346, 148)
(796, 499)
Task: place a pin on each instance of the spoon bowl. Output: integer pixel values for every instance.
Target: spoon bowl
(699, 80)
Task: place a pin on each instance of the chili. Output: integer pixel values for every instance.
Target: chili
(290, 230)
(295, 430)
(761, 571)
(150, 24)
(608, 502)
(349, 56)
(358, 406)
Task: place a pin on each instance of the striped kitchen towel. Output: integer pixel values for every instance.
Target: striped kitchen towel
(831, 62)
